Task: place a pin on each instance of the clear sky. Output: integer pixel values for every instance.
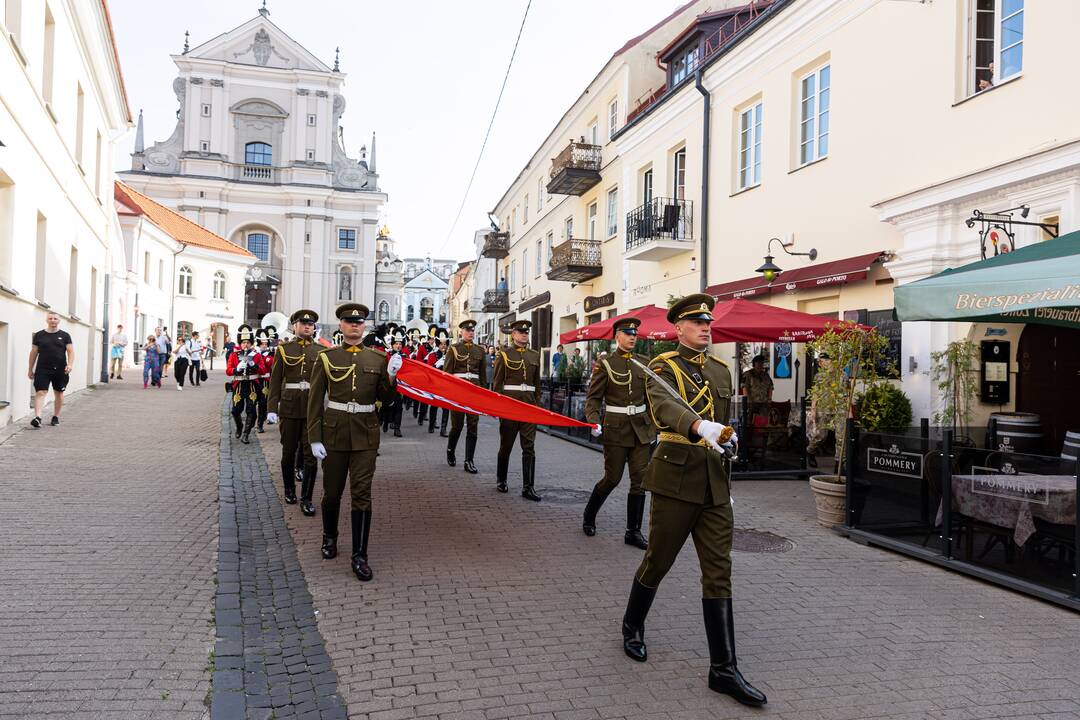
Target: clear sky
(424, 75)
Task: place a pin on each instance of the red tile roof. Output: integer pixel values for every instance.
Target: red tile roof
(175, 225)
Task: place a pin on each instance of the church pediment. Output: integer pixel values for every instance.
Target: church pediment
(261, 108)
(261, 43)
(426, 280)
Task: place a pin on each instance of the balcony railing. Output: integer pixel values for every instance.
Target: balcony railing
(660, 219)
(496, 245)
(575, 170)
(256, 173)
(496, 301)
(575, 260)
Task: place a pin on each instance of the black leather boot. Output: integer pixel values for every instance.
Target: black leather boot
(444, 416)
(422, 417)
(239, 422)
(635, 510)
(633, 622)
(433, 417)
(528, 479)
(502, 467)
(470, 451)
(361, 524)
(588, 524)
(307, 489)
(451, 450)
(248, 424)
(724, 675)
(330, 528)
(397, 430)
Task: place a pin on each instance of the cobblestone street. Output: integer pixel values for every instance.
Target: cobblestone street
(483, 605)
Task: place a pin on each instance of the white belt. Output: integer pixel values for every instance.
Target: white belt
(520, 388)
(467, 375)
(628, 410)
(350, 407)
(302, 385)
(264, 377)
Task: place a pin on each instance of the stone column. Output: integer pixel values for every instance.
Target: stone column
(292, 295)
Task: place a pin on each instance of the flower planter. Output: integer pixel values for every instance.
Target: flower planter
(829, 498)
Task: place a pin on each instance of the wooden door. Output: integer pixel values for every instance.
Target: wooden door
(1048, 380)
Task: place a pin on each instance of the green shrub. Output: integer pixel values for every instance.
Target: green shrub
(883, 407)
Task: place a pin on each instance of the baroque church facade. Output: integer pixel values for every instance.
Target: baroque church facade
(257, 156)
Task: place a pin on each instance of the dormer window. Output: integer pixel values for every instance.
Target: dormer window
(684, 65)
(258, 153)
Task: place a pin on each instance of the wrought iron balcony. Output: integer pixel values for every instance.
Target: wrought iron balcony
(575, 260)
(496, 245)
(659, 229)
(496, 301)
(575, 170)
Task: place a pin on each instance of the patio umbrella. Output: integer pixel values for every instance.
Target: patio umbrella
(654, 326)
(1039, 284)
(741, 320)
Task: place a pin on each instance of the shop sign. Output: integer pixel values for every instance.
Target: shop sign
(592, 302)
(894, 461)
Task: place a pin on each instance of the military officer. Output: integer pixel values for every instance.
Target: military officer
(343, 427)
(758, 386)
(466, 360)
(627, 433)
(689, 480)
(245, 366)
(288, 398)
(517, 375)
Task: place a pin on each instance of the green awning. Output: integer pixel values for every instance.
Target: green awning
(1036, 284)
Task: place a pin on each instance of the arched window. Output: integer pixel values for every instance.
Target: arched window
(258, 153)
(219, 285)
(258, 244)
(427, 310)
(186, 280)
(411, 313)
(384, 311)
(345, 283)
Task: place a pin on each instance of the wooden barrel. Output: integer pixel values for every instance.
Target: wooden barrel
(1021, 431)
(1072, 445)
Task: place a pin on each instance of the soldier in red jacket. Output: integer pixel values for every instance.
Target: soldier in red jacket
(245, 366)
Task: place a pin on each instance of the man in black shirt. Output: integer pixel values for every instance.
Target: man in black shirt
(51, 358)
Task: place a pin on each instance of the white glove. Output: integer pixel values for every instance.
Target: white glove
(271, 418)
(318, 450)
(439, 363)
(241, 365)
(710, 432)
(596, 430)
(393, 366)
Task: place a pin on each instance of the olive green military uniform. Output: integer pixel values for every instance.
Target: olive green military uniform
(288, 397)
(467, 361)
(346, 382)
(627, 432)
(689, 481)
(517, 375)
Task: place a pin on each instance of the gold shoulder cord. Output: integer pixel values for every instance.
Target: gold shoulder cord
(703, 391)
(457, 355)
(514, 365)
(343, 372)
(294, 360)
(617, 378)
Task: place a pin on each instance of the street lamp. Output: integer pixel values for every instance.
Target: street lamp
(769, 270)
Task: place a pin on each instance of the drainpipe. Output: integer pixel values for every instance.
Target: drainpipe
(706, 117)
(105, 335)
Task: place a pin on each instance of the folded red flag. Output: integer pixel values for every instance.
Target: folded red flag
(435, 387)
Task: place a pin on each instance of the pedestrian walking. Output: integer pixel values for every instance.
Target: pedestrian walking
(626, 432)
(117, 343)
(151, 374)
(183, 359)
(165, 349)
(51, 357)
(342, 421)
(195, 354)
(691, 494)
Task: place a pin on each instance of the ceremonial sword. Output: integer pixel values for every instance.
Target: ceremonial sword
(725, 434)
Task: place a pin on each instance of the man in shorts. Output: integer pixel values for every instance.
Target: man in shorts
(51, 358)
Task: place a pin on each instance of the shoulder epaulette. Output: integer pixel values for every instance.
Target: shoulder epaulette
(716, 359)
(665, 356)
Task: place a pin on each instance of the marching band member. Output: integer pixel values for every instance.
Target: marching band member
(245, 366)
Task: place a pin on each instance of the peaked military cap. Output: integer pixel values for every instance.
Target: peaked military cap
(630, 323)
(304, 316)
(522, 325)
(692, 307)
(352, 311)
(467, 325)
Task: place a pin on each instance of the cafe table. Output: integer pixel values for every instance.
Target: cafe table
(1014, 501)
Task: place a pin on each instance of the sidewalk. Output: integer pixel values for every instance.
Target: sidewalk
(109, 531)
(487, 606)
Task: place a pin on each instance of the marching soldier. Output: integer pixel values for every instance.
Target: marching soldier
(343, 428)
(245, 366)
(394, 409)
(517, 375)
(627, 432)
(426, 354)
(689, 482)
(288, 397)
(465, 360)
(262, 339)
(438, 360)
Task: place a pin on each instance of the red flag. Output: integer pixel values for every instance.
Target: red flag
(435, 387)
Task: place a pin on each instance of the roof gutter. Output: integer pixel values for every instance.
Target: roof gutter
(706, 123)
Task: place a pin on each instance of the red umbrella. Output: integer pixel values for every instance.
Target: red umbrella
(654, 326)
(741, 320)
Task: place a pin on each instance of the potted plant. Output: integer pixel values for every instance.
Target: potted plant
(849, 356)
(953, 369)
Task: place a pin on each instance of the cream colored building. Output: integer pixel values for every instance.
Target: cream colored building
(258, 157)
(62, 103)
